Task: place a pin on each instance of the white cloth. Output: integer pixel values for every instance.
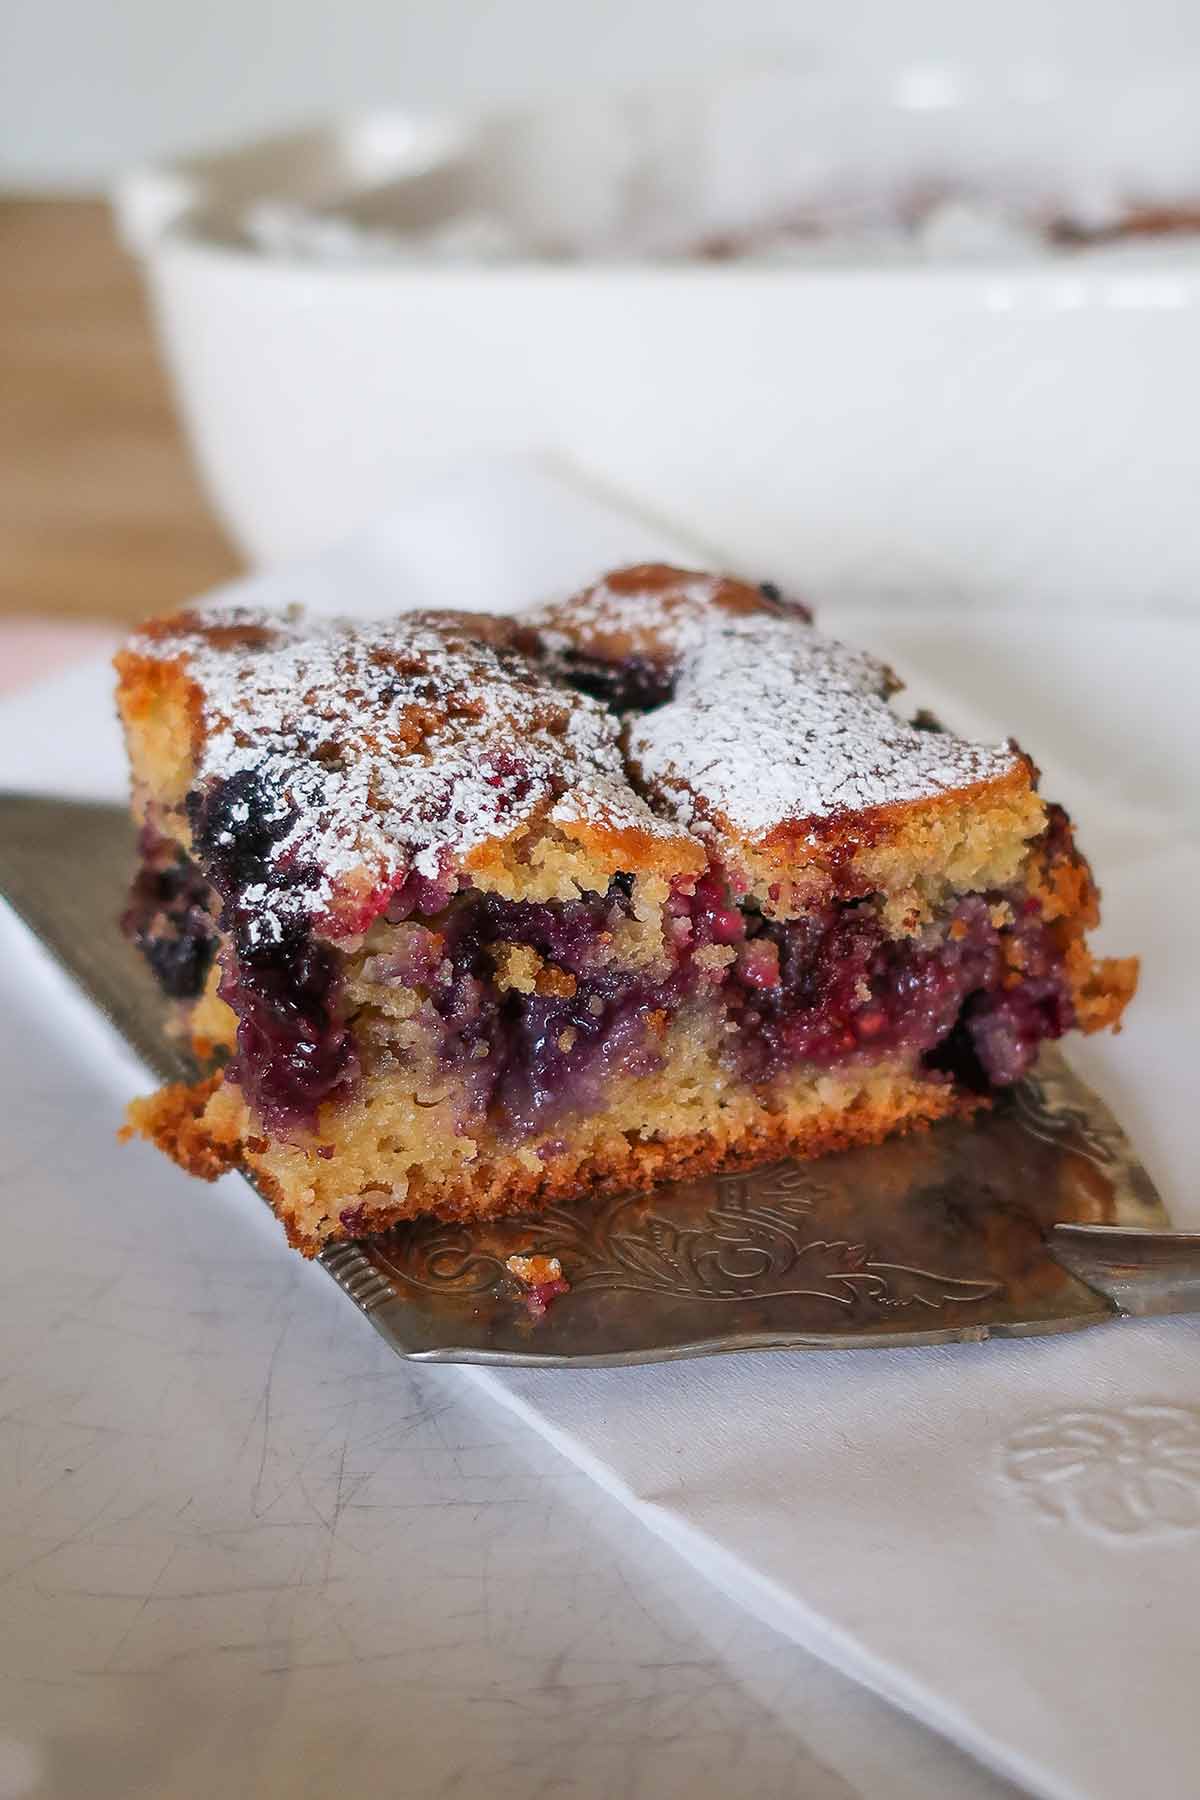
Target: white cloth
(1003, 1538)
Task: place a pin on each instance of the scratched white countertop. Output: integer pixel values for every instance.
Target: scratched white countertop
(246, 1551)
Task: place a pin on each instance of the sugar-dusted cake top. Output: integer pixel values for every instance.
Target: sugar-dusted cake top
(657, 718)
(764, 727)
(379, 750)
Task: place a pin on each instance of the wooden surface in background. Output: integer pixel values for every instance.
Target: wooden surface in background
(101, 516)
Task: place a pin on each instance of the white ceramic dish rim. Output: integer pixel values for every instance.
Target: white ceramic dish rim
(1143, 278)
(175, 206)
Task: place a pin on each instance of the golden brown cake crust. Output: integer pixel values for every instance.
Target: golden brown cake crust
(176, 1120)
(173, 1120)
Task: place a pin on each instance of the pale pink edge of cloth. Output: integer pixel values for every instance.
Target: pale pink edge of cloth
(31, 649)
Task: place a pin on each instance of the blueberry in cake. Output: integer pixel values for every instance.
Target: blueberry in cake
(471, 913)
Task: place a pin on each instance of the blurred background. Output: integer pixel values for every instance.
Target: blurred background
(86, 89)
(102, 517)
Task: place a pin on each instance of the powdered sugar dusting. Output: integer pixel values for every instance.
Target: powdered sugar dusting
(668, 618)
(382, 751)
(824, 740)
(391, 749)
(768, 723)
(633, 613)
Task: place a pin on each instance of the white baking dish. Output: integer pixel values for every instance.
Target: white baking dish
(871, 419)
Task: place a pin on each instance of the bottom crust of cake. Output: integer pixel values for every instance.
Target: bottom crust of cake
(372, 1170)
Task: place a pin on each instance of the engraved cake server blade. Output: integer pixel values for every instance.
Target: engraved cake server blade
(1038, 1218)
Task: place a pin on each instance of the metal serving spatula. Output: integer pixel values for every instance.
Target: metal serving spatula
(1038, 1218)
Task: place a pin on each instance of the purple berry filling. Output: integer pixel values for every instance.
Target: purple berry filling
(544, 1053)
(169, 917)
(844, 989)
(819, 991)
(635, 685)
(973, 997)
(293, 1051)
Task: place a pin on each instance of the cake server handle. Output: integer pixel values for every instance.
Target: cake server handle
(1143, 1273)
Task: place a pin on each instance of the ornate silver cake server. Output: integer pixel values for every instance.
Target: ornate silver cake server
(1038, 1218)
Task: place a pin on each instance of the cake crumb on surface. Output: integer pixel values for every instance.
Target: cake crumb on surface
(543, 1281)
(533, 1270)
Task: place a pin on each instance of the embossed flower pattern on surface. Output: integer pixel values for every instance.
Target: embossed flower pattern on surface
(755, 1241)
(923, 1239)
(1132, 1472)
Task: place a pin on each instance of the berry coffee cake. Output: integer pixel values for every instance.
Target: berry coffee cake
(469, 914)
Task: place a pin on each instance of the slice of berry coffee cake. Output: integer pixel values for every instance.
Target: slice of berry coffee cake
(474, 913)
